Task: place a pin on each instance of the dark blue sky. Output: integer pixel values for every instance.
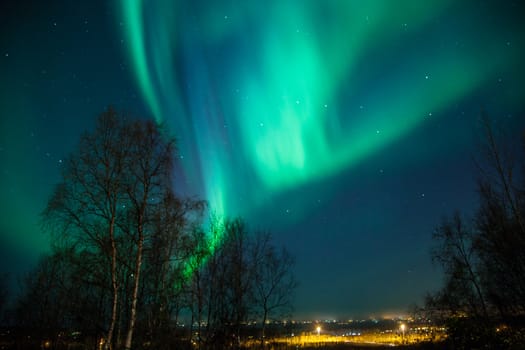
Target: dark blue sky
(347, 130)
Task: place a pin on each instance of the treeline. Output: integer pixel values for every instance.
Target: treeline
(482, 301)
(130, 258)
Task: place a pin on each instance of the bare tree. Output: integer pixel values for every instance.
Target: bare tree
(500, 240)
(237, 275)
(242, 276)
(111, 190)
(149, 167)
(85, 207)
(167, 257)
(198, 265)
(456, 254)
(484, 263)
(273, 280)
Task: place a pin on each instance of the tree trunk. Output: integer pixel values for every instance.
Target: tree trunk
(114, 284)
(133, 313)
(263, 335)
(192, 312)
(199, 310)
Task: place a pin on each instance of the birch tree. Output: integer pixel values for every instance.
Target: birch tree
(111, 189)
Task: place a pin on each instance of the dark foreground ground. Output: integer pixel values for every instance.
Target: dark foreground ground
(30, 345)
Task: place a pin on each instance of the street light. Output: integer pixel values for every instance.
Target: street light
(318, 330)
(403, 330)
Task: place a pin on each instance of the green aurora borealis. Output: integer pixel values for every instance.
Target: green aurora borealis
(267, 91)
(346, 128)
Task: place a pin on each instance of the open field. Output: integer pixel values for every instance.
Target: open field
(378, 339)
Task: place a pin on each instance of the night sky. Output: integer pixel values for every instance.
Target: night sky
(346, 128)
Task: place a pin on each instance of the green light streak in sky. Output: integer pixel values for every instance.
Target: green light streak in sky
(133, 13)
(298, 146)
(267, 97)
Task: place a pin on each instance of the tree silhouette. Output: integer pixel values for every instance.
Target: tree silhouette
(86, 206)
(484, 262)
(273, 280)
(244, 277)
(4, 294)
(112, 187)
(456, 254)
(129, 255)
